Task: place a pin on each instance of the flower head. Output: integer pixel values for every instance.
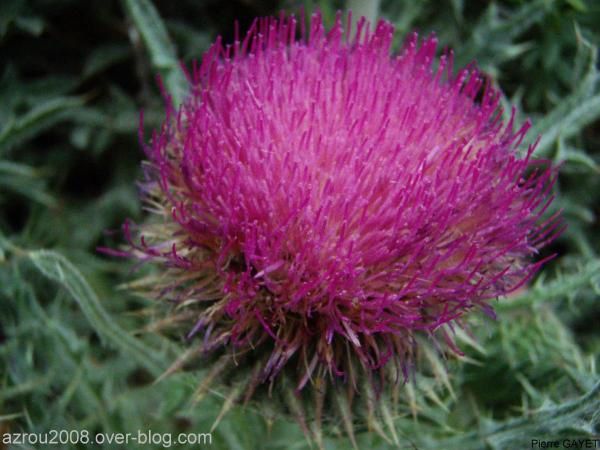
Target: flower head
(320, 201)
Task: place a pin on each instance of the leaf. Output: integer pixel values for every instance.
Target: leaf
(17, 12)
(30, 24)
(494, 32)
(162, 52)
(38, 119)
(25, 180)
(520, 20)
(104, 57)
(56, 267)
(565, 121)
(572, 113)
(575, 158)
(548, 422)
(561, 287)
(191, 41)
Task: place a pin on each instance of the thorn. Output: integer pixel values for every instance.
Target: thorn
(227, 405)
(216, 370)
(346, 417)
(178, 364)
(295, 405)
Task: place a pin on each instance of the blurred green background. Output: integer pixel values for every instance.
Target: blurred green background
(74, 350)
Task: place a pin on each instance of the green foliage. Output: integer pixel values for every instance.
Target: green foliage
(74, 348)
(150, 26)
(42, 116)
(58, 268)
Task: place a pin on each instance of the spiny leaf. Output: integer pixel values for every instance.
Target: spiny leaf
(572, 113)
(5, 244)
(494, 34)
(24, 179)
(18, 13)
(565, 122)
(548, 422)
(56, 267)
(102, 58)
(520, 20)
(157, 41)
(563, 286)
(575, 158)
(38, 119)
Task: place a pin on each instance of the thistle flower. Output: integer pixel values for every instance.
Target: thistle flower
(321, 202)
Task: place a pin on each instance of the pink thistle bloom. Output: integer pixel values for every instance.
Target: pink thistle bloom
(320, 201)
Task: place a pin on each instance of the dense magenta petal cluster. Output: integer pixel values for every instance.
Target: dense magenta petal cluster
(322, 197)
